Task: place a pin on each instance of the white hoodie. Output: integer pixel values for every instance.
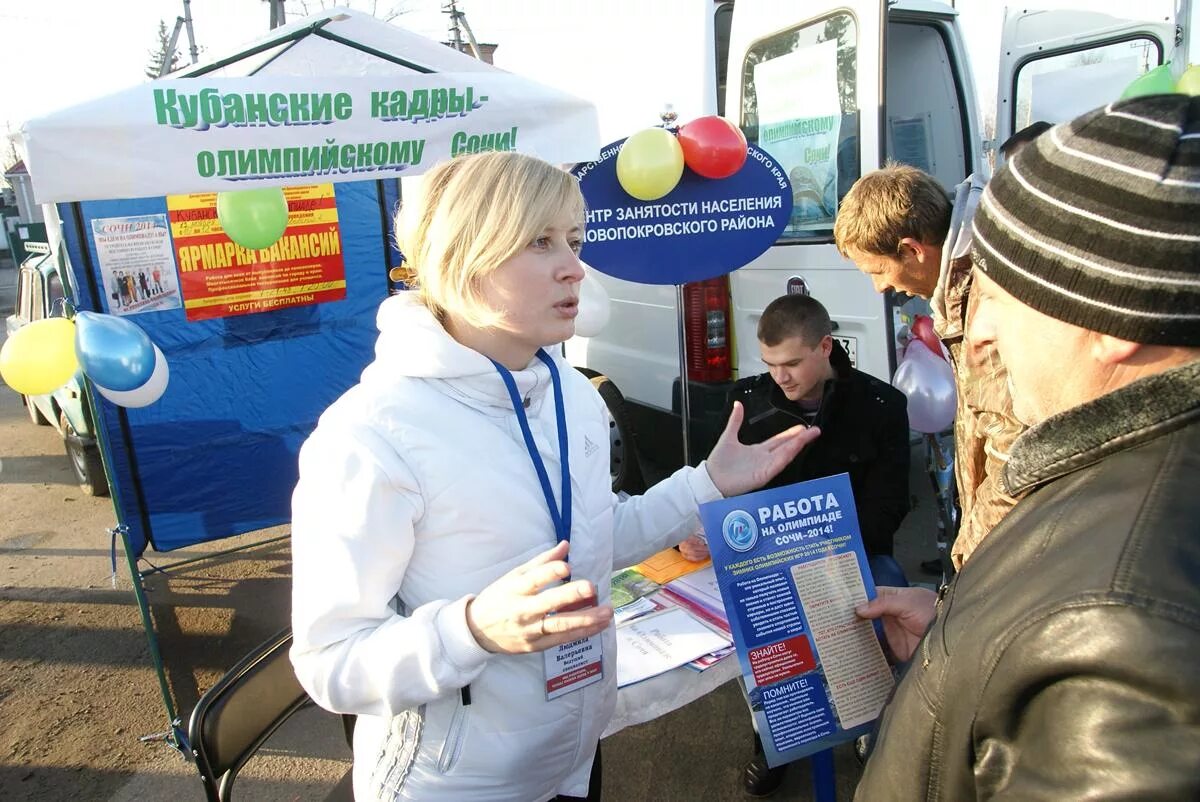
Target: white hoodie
(416, 492)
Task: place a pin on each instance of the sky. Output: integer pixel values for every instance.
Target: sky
(56, 53)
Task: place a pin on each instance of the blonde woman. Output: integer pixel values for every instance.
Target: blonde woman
(454, 529)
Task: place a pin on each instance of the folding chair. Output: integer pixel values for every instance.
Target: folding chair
(236, 716)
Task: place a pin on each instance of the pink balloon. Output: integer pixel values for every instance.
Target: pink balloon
(922, 329)
(928, 382)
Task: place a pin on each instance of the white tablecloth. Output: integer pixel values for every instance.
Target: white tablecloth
(657, 696)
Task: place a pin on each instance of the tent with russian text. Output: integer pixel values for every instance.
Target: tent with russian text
(258, 340)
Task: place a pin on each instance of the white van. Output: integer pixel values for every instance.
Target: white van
(906, 93)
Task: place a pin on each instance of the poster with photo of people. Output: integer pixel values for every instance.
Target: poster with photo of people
(136, 263)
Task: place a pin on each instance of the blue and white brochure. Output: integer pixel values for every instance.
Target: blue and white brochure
(791, 568)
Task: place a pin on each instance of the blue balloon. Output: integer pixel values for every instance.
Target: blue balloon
(113, 352)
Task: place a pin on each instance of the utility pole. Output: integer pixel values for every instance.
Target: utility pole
(187, 21)
(458, 23)
(169, 54)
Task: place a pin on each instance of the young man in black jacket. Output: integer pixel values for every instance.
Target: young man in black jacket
(864, 432)
(863, 420)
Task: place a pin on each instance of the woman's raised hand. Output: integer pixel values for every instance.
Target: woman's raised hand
(737, 468)
(531, 608)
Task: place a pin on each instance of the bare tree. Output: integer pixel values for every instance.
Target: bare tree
(9, 156)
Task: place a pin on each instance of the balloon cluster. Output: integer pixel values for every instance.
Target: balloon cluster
(927, 379)
(651, 162)
(123, 364)
(1158, 81)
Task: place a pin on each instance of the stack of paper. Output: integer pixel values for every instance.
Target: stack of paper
(698, 592)
(656, 643)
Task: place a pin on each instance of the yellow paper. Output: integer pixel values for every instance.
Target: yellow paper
(669, 564)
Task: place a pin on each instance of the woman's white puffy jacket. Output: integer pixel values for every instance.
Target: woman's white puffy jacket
(416, 491)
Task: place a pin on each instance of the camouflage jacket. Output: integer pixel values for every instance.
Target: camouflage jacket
(984, 426)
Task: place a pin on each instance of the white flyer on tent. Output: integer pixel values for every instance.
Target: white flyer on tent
(137, 265)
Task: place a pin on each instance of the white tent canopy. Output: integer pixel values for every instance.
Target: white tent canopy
(339, 96)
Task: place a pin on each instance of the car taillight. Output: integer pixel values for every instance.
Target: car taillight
(706, 326)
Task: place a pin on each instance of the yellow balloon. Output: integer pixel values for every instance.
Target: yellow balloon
(1189, 82)
(40, 357)
(650, 164)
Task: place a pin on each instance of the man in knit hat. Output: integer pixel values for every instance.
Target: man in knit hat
(1061, 662)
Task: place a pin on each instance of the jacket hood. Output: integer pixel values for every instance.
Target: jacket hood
(413, 343)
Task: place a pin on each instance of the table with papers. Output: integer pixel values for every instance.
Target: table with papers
(694, 587)
(676, 623)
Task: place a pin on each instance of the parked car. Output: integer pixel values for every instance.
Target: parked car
(40, 294)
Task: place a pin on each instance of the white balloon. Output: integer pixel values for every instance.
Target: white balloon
(148, 393)
(594, 306)
(928, 381)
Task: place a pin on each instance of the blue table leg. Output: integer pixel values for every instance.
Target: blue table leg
(824, 781)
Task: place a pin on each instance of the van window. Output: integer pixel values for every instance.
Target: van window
(800, 105)
(925, 117)
(54, 294)
(1061, 86)
(24, 305)
(36, 309)
(722, 21)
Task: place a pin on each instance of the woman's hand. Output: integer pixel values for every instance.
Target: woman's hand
(906, 613)
(513, 614)
(695, 548)
(736, 468)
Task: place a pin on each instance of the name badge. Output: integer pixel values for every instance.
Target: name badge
(574, 665)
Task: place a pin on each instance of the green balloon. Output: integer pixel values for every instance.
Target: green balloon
(1189, 82)
(1157, 81)
(253, 218)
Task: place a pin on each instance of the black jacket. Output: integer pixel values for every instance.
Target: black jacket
(864, 432)
(1063, 660)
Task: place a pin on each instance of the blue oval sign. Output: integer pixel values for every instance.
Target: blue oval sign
(702, 229)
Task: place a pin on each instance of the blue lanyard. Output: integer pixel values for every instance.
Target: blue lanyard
(562, 520)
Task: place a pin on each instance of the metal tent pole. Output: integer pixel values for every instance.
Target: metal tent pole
(684, 406)
(175, 736)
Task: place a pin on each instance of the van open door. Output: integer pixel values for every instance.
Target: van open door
(894, 80)
(1057, 64)
(804, 84)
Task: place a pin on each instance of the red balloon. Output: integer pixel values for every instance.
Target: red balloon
(922, 329)
(713, 147)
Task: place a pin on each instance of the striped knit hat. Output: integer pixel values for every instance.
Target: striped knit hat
(1097, 223)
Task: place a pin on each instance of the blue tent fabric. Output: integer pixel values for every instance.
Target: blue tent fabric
(216, 455)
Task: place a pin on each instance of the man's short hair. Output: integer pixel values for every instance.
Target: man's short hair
(888, 205)
(1024, 137)
(794, 316)
(1097, 223)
